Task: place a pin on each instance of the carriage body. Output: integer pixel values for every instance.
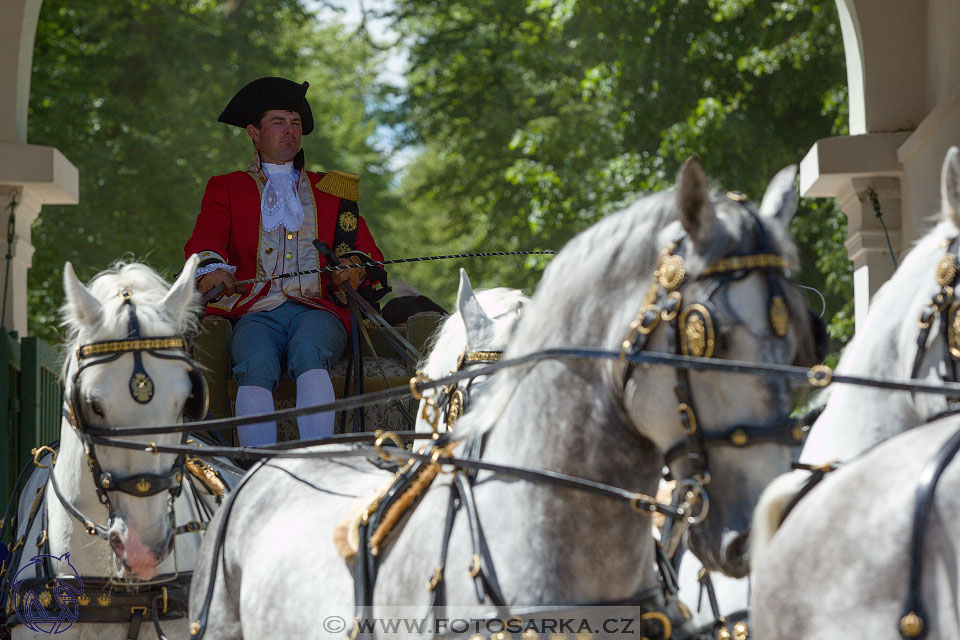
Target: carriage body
(212, 355)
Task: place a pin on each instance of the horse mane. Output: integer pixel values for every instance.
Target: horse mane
(147, 292)
(594, 287)
(444, 345)
(865, 354)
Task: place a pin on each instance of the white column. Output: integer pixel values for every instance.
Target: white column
(867, 244)
(34, 176)
(849, 168)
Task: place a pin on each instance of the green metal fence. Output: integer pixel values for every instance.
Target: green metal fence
(30, 398)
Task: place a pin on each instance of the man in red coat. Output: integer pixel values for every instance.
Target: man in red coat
(261, 222)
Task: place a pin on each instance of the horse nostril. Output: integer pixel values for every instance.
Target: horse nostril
(116, 543)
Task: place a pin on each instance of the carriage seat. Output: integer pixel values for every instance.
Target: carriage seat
(211, 353)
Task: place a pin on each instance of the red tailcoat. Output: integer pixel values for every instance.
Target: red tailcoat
(229, 230)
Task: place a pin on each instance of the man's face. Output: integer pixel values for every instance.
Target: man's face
(278, 138)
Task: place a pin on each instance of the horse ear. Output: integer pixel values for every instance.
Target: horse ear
(180, 300)
(693, 201)
(81, 307)
(950, 186)
(780, 201)
(479, 326)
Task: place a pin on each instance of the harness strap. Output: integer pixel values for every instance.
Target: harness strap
(199, 626)
(914, 622)
(437, 584)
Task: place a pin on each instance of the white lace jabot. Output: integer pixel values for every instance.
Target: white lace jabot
(280, 203)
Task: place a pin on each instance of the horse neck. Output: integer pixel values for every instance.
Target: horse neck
(562, 420)
(857, 418)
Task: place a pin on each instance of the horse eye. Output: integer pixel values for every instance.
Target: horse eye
(96, 408)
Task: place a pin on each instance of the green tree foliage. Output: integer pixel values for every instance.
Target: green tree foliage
(538, 117)
(130, 92)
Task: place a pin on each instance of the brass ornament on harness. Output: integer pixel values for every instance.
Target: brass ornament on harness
(83, 600)
(911, 625)
(953, 329)
(779, 316)
(946, 270)
(37, 454)
(143, 485)
(671, 272)
(662, 619)
(378, 445)
(123, 346)
(741, 631)
(455, 409)
(819, 375)
(697, 336)
(688, 426)
(746, 263)
(207, 476)
(670, 311)
(141, 388)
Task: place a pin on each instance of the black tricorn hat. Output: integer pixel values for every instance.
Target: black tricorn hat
(264, 94)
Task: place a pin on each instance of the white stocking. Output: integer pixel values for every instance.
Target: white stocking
(251, 400)
(314, 387)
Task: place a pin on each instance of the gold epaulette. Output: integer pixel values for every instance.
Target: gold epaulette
(341, 184)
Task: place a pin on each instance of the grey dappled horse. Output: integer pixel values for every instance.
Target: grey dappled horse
(121, 538)
(278, 574)
(835, 566)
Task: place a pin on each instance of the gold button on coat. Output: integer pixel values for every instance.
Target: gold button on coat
(269, 250)
(289, 236)
(289, 256)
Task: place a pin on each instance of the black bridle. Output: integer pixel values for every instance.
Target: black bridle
(692, 330)
(141, 388)
(451, 401)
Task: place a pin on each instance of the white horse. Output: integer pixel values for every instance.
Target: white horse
(855, 420)
(109, 514)
(271, 569)
(474, 335)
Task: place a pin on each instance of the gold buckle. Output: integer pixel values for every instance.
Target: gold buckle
(684, 409)
(392, 437)
(141, 610)
(474, 568)
(36, 456)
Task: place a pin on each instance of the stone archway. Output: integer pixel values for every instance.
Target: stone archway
(903, 75)
(30, 175)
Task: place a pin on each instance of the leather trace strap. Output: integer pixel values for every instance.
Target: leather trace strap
(914, 622)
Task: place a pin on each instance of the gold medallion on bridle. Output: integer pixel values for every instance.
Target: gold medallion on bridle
(348, 221)
(946, 270)
(671, 272)
(953, 329)
(456, 408)
(141, 388)
(696, 332)
(779, 316)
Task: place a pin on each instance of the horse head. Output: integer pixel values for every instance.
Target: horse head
(127, 367)
(721, 290)
(479, 330)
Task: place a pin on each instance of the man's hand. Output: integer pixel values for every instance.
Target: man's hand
(353, 276)
(221, 276)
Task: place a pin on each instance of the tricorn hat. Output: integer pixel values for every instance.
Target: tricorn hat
(265, 94)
